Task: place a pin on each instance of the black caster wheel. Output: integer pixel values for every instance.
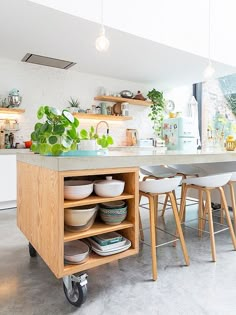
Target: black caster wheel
(77, 295)
(32, 251)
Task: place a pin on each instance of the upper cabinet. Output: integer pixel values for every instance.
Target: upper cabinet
(4, 110)
(122, 100)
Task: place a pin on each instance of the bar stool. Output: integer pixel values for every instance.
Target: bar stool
(206, 184)
(158, 172)
(151, 189)
(186, 171)
(232, 195)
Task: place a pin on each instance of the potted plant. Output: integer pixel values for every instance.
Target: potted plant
(90, 139)
(157, 111)
(57, 134)
(74, 105)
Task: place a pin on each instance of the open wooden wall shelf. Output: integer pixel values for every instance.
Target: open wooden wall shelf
(4, 110)
(101, 117)
(121, 100)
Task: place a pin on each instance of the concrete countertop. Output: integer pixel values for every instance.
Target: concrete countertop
(117, 159)
(13, 151)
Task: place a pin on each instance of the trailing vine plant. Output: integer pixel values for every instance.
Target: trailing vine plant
(157, 110)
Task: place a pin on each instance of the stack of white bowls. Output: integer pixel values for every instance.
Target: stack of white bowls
(76, 252)
(80, 218)
(109, 187)
(77, 189)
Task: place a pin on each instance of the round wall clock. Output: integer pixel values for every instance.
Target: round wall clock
(169, 106)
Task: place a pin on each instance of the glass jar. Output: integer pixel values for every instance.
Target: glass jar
(230, 143)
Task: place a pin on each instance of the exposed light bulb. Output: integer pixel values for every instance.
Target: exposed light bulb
(102, 43)
(209, 71)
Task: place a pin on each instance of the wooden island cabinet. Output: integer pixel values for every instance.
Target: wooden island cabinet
(41, 203)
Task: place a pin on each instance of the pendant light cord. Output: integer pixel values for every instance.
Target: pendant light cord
(209, 31)
(102, 13)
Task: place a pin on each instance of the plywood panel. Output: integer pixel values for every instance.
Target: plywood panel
(40, 212)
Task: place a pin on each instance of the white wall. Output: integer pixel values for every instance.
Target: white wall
(40, 85)
(48, 86)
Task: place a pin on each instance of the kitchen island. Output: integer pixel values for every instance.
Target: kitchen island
(41, 204)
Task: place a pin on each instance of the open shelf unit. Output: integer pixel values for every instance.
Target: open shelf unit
(4, 110)
(40, 213)
(122, 100)
(101, 117)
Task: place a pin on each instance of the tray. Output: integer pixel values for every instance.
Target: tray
(114, 251)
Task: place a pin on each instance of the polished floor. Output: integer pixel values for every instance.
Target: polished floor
(28, 287)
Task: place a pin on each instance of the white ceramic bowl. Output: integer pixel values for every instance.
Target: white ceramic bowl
(77, 189)
(76, 252)
(109, 187)
(80, 216)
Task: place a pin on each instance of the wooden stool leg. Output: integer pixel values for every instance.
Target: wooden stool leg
(183, 190)
(211, 226)
(140, 221)
(155, 199)
(200, 213)
(179, 229)
(232, 194)
(164, 206)
(221, 211)
(227, 215)
(153, 237)
(183, 200)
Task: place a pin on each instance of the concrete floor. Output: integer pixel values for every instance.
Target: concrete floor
(28, 287)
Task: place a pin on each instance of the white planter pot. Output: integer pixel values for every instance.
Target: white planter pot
(87, 145)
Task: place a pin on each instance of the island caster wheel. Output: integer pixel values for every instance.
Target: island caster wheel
(75, 289)
(32, 251)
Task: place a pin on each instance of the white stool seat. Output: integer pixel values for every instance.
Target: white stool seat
(187, 170)
(233, 177)
(157, 171)
(160, 186)
(216, 180)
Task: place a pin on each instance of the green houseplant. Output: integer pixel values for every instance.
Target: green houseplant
(104, 141)
(57, 134)
(157, 110)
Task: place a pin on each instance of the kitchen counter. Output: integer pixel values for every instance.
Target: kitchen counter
(122, 158)
(13, 151)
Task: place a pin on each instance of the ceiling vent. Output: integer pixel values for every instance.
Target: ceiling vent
(47, 61)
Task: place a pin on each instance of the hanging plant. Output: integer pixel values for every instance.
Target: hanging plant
(157, 110)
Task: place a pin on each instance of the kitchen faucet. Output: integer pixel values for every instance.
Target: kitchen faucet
(100, 122)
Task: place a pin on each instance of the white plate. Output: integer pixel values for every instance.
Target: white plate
(106, 248)
(114, 251)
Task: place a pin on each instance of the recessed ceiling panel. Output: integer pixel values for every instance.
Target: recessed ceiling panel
(47, 61)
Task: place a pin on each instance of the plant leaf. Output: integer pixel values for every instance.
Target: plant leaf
(40, 112)
(52, 139)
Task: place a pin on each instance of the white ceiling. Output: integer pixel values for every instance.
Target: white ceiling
(26, 27)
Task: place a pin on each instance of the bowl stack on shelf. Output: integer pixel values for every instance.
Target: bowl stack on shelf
(113, 212)
(77, 189)
(109, 243)
(76, 252)
(79, 218)
(109, 187)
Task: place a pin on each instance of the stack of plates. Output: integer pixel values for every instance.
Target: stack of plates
(113, 245)
(76, 252)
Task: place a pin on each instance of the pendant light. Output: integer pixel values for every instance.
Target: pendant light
(102, 43)
(209, 70)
